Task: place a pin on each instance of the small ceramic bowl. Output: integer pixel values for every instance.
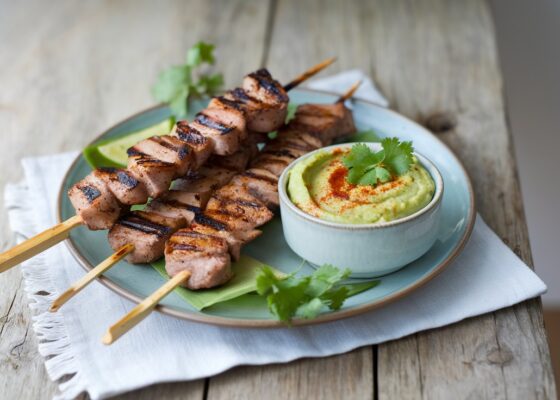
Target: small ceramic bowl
(368, 250)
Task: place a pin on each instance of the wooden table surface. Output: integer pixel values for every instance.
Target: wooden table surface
(69, 69)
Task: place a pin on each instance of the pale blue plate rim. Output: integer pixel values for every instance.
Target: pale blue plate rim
(270, 323)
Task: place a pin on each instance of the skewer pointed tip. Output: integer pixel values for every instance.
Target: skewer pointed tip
(350, 92)
(309, 73)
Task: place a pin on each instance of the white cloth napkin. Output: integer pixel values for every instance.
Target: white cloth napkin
(485, 277)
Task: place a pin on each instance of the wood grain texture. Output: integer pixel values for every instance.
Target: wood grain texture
(68, 70)
(451, 81)
(341, 377)
(86, 65)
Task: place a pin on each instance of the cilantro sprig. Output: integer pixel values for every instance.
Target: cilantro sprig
(290, 296)
(175, 85)
(368, 167)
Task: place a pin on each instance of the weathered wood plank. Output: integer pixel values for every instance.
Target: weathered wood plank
(437, 63)
(82, 67)
(340, 377)
(305, 33)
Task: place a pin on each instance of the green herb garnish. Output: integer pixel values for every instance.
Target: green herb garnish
(176, 84)
(290, 296)
(368, 167)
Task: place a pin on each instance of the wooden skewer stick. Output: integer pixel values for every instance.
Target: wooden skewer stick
(90, 276)
(309, 73)
(143, 309)
(38, 243)
(350, 92)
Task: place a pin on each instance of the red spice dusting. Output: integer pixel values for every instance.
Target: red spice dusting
(338, 185)
(390, 185)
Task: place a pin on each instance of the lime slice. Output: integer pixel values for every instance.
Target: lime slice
(112, 152)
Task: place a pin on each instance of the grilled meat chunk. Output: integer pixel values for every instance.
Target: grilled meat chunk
(295, 139)
(176, 204)
(237, 161)
(166, 148)
(261, 116)
(156, 174)
(201, 147)
(225, 129)
(147, 231)
(203, 182)
(237, 202)
(127, 189)
(271, 115)
(274, 165)
(324, 121)
(260, 183)
(261, 85)
(95, 203)
(205, 256)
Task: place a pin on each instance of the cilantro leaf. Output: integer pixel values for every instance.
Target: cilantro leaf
(398, 155)
(175, 85)
(171, 82)
(200, 53)
(289, 296)
(368, 167)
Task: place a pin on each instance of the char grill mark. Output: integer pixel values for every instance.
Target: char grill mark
(261, 177)
(205, 220)
(265, 80)
(90, 192)
(282, 153)
(182, 152)
(231, 103)
(143, 159)
(140, 224)
(127, 180)
(240, 95)
(242, 203)
(189, 134)
(207, 121)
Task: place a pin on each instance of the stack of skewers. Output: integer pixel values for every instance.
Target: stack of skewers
(207, 185)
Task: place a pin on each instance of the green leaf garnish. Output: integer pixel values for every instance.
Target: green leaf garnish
(306, 297)
(368, 167)
(176, 84)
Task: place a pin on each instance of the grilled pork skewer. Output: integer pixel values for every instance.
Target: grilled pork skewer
(144, 233)
(200, 256)
(245, 203)
(100, 199)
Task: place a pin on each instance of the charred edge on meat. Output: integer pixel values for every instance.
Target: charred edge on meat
(265, 80)
(127, 180)
(207, 121)
(90, 192)
(281, 153)
(205, 220)
(182, 152)
(241, 96)
(145, 226)
(260, 177)
(244, 203)
(231, 103)
(189, 134)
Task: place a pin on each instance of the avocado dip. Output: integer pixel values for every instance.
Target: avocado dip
(318, 186)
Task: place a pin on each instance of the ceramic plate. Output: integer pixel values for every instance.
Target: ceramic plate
(136, 282)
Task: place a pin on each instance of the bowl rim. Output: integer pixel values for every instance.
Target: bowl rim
(423, 160)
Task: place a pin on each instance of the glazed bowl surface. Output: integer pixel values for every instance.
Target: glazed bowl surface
(368, 250)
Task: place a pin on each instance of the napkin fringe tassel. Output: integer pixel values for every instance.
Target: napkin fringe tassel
(54, 343)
